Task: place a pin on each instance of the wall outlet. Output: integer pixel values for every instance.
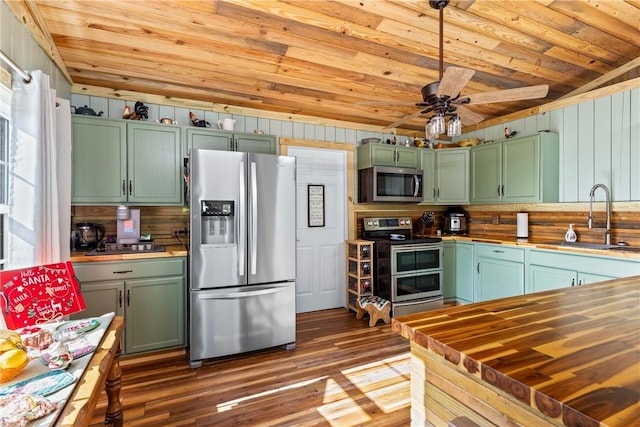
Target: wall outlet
(177, 232)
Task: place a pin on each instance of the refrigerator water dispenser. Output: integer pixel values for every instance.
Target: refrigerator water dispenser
(217, 219)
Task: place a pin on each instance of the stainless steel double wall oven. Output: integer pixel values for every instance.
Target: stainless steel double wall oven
(407, 272)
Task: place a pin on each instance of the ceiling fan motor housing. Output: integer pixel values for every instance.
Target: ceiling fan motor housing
(440, 104)
(438, 4)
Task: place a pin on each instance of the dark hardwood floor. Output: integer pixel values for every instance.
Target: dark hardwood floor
(342, 373)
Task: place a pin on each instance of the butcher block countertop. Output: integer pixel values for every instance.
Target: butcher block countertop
(572, 354)
(170, 251)
(501, 240)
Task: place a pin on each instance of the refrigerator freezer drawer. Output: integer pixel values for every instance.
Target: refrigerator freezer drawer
(240, 319)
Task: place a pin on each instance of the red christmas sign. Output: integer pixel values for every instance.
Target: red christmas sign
(39, 294)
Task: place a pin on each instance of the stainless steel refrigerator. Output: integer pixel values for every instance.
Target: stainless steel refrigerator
(243, 253)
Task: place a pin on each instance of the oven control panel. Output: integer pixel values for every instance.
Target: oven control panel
(387, 224)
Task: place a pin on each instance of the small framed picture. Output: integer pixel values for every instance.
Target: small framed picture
(315, 200)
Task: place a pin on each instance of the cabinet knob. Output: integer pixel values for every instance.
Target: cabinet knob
(124, 188)
(130, 187)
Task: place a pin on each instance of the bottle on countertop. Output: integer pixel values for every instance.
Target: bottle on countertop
(570, 235)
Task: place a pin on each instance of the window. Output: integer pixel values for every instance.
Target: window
(5, 103)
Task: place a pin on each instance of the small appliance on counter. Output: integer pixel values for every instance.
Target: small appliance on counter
(87, 235)
(454, 221)
(128, 225)
(128, 238)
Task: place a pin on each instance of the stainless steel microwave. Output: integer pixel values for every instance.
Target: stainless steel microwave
(389, 184)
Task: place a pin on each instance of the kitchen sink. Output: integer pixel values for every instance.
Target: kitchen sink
(600, 246)
(625, 248)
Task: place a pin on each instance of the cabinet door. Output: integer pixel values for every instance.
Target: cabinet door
(382, 155)
(210, 140)
(252, 143)
(407, 157)
(588, 278)
(464, 271)
(449, 270)
(452, 176)
(499, 278)
(101, 298)
(486, 173)
(155, 164)
(521, 170)
(428, 165)
(99, 161)
(155, 313)
(546, 278)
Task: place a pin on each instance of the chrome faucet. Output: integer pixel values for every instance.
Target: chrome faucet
(607, 233)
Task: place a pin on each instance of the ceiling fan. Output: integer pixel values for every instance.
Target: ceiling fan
(442, 98)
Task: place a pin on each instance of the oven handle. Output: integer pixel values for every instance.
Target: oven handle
(416, 186)
(410, 248)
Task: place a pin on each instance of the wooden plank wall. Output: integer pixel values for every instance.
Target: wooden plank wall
(544, 225)
(155, 220)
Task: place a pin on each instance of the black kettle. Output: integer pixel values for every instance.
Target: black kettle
(88, 235)
(86, 111)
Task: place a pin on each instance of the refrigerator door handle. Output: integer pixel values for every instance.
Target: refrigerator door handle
(240, 238)
(236, 295)
(254, 219)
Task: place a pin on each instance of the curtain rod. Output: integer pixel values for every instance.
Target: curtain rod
(26, 77)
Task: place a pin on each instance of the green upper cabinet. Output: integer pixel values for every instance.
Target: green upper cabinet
(115, 161)
(99, 160)
(154, 164)
(231, 141)
(445, 176)
(429, 186)
(519, 170)
(486, 173)
(388, 155)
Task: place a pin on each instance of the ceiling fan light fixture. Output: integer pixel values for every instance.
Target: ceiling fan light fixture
(437, 124)
(454, 128)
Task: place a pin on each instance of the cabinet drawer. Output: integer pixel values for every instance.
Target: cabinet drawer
(501, 252)
(122, 270)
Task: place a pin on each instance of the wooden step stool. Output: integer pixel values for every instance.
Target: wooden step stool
(378, 309)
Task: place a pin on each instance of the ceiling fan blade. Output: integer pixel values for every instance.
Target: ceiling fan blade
(376, 103)
(528, 92)
(468, 117)
(453, 81)
(405, 119)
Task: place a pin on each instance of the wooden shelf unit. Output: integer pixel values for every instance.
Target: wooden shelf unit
(359, 271)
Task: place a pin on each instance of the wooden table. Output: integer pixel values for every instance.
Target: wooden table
(564, 357)
(103, 370)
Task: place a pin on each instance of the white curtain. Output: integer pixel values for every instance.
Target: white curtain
(38, 181)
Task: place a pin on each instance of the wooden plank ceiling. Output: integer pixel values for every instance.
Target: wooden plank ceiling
(321, 57)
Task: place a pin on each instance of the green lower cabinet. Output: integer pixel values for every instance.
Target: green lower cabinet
(101, 298)
(500, 272)
(449, 270)
(458, 271)
(150, 294)
(464, 272)
(155, 314)
(549, 269)
(543, 278)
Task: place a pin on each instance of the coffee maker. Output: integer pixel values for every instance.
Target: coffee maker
(128, 225)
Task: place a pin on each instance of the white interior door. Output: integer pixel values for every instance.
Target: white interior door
(320, 268)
